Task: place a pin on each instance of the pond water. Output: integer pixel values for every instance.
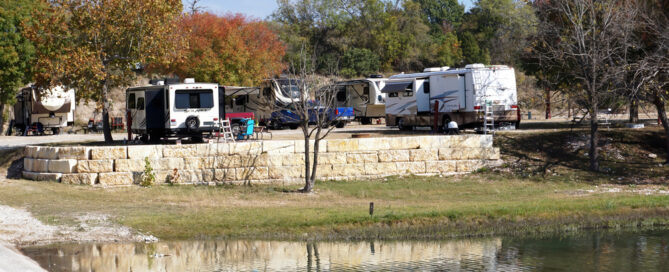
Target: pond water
(588, 251)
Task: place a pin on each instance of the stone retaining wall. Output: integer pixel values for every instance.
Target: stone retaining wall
(267, 161)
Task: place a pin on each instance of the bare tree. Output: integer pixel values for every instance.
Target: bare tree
(584, 42)
(315, 112)
(194, 6)
(649, 78)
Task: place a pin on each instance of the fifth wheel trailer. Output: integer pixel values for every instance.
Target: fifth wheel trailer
(462, 95)
(51, 109)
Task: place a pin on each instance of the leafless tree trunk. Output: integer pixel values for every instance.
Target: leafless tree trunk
(634, 111)
(582, 43)
(2, 118)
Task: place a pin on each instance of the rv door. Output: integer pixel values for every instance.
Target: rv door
(135, 104)
(422, 95)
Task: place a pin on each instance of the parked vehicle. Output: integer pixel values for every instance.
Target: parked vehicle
(462, 95)
(364, 96)
(338, 117)
(169, 108)
(39, 110)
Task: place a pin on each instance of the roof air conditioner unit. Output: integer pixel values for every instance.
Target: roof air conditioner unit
(189, 80)
(432, 69)
(474, 66)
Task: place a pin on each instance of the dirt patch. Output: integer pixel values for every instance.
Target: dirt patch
(19, 227)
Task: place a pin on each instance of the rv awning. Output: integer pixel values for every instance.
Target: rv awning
(394, 87)
(237, 90)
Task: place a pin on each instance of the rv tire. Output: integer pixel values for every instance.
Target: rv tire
(192, 123)
(55, 131)
(144, 138)
(293, 126)
(365, 120)
(235, 128)
(402, 126)
(340, 124)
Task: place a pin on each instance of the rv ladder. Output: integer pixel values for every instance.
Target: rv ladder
(488, 119)
(226, 130)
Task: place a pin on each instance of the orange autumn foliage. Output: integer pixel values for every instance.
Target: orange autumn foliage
(229, 50)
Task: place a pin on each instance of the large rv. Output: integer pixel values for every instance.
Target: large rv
(41, 110)
(462, 95)
(169, 108)
(364, 96)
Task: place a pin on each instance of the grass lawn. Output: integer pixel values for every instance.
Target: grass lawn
(410, 207)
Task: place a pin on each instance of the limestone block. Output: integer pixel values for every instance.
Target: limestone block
(430, 142)
(411, 142)
(451, 153)
(190, 176)
(95, 166)
(252, 173)
(167, 164)
(275, 147)
(476, 141)
(28, 164)
(62, 166)
(469, 165)
(205, 150)
(42, 176)
(45, 152)
(74, 152)
(440, 166)
(325, 171)
(39, 165)
(393, 155)
(342, 145)
(424, 155)
(208, 175)
(383, 168)
(179, 151)
(230, 161)
(322, 146)
(410, 167)
(270, 159)
(286, 172)
(224, 174)
(116, 178)
(353, 158)
(197, 163)
(81, 178)
(113, 152)
(145, 151)
(331, 158)
(295, 159)
(246, 148)
(373, 144)
(130, 165)
(349, 170)
(31, 151)
(490, 153)
(162, 176)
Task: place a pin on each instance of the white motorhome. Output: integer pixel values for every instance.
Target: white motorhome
(262, 101)
(170, 108)
(462, 94)
(364, 96)
(50, 109)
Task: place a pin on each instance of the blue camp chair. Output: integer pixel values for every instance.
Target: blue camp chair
(246, 130)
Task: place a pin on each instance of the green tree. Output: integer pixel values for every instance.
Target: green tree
(16, 52)
(94, 46)
(359, 61)
(442, 15)
(471, 50)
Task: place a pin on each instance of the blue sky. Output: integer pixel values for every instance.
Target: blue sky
(255, 8)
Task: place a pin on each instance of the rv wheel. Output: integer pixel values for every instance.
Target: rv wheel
(340, 124)
(293, 126)
(144, 138)
(402, 126)
(192, 123)
(235, 128)
(366, 120)
(55, 131)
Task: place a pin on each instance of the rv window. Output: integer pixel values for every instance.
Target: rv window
(393, 94)
(131, 101)
(426, 87)
(140, 103)
(240, 100)
(194, 99)
(408, 94)
(366, 90)
(341, 96)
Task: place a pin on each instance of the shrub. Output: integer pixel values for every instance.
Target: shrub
(148, 177)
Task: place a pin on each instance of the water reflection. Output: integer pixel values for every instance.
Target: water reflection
(585, 252)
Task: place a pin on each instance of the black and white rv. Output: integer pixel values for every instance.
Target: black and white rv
(364, 96)
(39, 110)
(168, 108)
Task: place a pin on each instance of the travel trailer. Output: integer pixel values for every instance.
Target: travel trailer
(364, 96)
(169, 108)
(41, 110)
(464, 95)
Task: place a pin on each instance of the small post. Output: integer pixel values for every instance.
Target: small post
(436, 116)
(371, 208)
